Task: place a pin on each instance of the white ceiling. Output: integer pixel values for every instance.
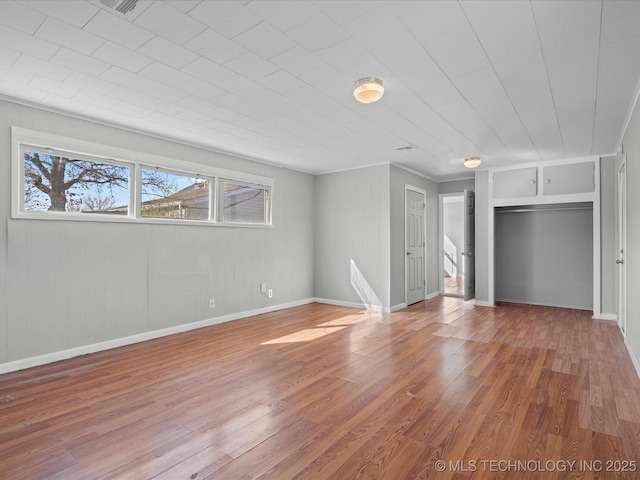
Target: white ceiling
(510, 81)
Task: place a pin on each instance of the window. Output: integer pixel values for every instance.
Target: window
(172, 195)
(243, 202)
(55, 177)
(58, 181)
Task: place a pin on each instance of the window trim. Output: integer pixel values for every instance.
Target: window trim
(179, 173)
(136, 161)
(76, 156)
(220, 207)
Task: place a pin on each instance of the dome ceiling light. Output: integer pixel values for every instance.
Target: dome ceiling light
(368, 90)
(472, 162)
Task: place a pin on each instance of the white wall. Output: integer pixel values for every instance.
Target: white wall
(352, 242)
(66, 284)
(456, 186)
(359, 217)
(400, 178)
(483, 260)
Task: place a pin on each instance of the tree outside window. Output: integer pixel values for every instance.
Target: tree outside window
(61, 183)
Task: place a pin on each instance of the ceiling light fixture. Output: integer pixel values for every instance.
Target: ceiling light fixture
(472, 162)
(368, 90)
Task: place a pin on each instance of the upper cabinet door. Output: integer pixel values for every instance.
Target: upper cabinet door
(515, 183)
(566, 179)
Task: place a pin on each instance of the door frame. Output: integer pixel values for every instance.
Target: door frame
(441, 237)
(621, 216)
(423, 192)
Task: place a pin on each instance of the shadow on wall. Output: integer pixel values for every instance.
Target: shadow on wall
(363, 289)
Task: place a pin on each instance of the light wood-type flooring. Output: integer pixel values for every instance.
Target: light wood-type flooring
(454, 285)
(323, 392)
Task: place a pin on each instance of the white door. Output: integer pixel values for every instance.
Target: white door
(622, 246)
(415, 246)
(469, 246)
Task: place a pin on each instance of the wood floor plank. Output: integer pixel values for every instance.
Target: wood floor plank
(320, 392)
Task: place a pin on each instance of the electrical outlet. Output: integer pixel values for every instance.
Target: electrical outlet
(263, 288)
(212, 303)
(270, 293)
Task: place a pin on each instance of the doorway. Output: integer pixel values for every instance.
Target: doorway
(453, 245)
(457, 232)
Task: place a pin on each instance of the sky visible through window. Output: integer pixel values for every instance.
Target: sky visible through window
(157, 184)
(55, 182)
(59, 181)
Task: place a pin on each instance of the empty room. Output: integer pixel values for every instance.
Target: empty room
(323, 239)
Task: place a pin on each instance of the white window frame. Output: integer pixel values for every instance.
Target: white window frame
(211, 216)
(136, 161)
(220, 208)
(76, 156)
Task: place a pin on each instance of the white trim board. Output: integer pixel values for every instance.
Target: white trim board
(400, 306)
(359, 306)
(633, 356)
(21, 364)
(481, 303)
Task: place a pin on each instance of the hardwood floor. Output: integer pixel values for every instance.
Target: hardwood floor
(454, 285)
(324, 392)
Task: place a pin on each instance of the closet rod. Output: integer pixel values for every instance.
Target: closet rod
(526, 210)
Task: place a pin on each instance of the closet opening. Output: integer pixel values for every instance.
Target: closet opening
(544, 254)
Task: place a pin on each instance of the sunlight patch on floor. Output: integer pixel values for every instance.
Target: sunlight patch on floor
(347, 320)
(305, 335)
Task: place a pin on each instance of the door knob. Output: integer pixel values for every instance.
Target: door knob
(408, 254)
(620, 262)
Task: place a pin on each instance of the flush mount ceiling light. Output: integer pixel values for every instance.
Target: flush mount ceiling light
(472, 162)
(368, 90)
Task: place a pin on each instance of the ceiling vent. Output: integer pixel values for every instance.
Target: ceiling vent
(128, 9)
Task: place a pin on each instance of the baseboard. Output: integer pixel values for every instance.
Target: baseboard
(361, 306)
(141, 337)
(400, 306)
(632, 354)
(545, 304)
(375, 308)
(482, 303)
(606, 316)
